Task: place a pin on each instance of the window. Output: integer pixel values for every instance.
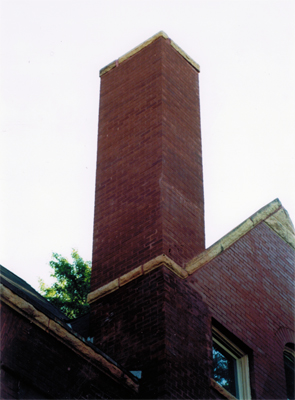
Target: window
(138, 374)
(230, 366)
(289, 355)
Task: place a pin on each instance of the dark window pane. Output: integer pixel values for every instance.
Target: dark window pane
(224, 367)
(289, 372)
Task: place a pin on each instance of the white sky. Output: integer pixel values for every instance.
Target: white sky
(51, 54)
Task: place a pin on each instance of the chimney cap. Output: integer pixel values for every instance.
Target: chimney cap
(144, 44)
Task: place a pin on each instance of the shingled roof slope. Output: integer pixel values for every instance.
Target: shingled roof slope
(26, 292)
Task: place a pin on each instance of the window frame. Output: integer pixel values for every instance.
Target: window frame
(242, 363)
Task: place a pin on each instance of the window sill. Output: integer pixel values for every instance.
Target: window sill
(221, 390)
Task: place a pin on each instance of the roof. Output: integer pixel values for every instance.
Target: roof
(144, 44)
(25, 300)
(26, 292)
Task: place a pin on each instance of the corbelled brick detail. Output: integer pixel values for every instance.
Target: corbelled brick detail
(149, 185)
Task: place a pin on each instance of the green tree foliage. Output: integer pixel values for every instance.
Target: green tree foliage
(69, 292)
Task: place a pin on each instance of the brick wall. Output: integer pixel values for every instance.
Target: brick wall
(35, 365)
(182, 172)
(188, 341)
(129, 324)
(149, 170)
(249, 289)
(160, 326)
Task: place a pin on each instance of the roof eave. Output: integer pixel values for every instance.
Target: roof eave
(62, 333)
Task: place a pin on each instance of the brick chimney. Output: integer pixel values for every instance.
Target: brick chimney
(149, 180)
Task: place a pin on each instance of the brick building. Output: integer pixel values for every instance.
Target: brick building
(180, 321)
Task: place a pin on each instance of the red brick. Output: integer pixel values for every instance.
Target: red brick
(261, 305)
(149, 185)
